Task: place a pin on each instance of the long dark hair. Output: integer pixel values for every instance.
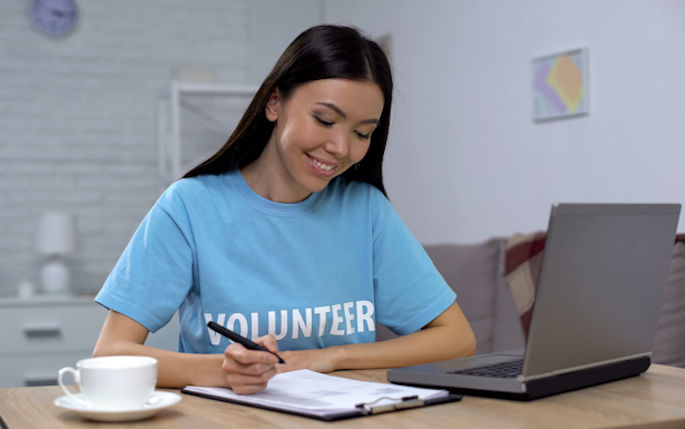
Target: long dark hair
(321, 52)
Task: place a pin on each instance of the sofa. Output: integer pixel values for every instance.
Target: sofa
(488, 281)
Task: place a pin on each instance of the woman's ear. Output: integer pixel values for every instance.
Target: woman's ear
(272, 106)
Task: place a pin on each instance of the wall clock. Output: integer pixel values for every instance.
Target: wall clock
(54, 17)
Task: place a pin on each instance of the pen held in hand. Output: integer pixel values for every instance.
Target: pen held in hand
(240, 339)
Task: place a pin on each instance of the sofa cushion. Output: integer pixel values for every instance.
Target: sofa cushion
(669, 344)
(507, 332)
(522, 264)
(472, 270)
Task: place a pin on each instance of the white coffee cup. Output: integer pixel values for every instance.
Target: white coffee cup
(112, 382)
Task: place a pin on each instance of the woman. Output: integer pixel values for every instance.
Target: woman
(286, 236)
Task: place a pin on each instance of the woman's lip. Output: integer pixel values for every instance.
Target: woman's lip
(319, 165)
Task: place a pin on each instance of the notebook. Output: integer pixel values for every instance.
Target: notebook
(326, 397)
(596, 307)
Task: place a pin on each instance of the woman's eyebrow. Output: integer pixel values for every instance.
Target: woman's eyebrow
(340, 112)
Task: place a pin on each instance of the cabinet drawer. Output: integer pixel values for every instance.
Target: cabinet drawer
(50, 328)
(19, 371)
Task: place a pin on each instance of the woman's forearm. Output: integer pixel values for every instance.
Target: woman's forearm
(448, 336)
(426, 345)
(122, 335)
(174, 369)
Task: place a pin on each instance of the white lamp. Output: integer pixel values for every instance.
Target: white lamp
(56, 239)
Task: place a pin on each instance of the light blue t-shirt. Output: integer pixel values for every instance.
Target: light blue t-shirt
(315, 273)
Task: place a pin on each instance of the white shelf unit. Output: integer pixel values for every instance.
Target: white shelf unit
(169, 125)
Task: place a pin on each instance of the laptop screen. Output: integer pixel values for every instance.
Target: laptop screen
(601, 284)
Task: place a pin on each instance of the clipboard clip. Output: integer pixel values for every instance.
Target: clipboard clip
(369, 408)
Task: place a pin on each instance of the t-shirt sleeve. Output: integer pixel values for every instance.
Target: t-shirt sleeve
(409, 290)
(155, 271)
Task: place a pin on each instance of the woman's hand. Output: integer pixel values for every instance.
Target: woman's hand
(248, 371)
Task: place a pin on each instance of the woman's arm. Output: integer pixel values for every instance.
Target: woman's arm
(246, 371)
(448, 336)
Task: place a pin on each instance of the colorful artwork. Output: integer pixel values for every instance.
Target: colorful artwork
(560, 85)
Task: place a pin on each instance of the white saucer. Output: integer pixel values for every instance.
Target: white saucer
(158, 401)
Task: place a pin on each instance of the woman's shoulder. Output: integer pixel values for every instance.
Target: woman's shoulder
(191, 184)
(193, 188)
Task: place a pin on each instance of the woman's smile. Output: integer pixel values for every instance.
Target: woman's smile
(323, 168)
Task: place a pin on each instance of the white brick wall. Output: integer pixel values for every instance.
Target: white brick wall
(78, 119)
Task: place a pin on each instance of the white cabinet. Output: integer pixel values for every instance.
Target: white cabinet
(40, 336)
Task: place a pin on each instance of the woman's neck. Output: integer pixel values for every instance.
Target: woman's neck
(269, 181)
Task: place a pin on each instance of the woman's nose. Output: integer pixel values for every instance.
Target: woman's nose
(338, 144)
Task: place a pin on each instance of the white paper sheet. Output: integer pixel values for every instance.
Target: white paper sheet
(310, 392)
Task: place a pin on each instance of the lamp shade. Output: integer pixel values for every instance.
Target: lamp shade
(56, 234)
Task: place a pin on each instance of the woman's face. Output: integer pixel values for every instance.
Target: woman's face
(322, 129)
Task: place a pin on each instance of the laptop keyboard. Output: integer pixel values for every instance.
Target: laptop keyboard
(509, 369)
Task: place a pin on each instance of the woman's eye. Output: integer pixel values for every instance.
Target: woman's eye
(322, 122)
(362, 136)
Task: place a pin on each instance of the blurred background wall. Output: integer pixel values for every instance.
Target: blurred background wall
(79, 114)
(465, 160)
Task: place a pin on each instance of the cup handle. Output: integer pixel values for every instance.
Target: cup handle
(77, 379)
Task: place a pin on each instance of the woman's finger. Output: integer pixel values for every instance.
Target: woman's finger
(246, 357)
(236, 379)
(269, 342)
(254, 369)
(245, 379)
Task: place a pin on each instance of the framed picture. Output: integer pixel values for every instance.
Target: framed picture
(560, 85)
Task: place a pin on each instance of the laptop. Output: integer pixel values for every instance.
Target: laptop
(596, 307)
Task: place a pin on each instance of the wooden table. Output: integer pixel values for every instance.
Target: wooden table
(655, 399)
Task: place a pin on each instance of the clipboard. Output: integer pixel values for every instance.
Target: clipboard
(325, 397)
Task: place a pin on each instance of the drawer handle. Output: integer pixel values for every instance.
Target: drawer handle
(42, 331)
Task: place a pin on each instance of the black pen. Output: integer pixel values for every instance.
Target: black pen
(240, 339)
